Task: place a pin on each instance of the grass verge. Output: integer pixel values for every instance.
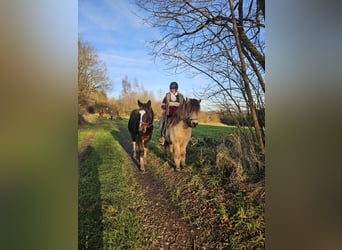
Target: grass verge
(85, 130)
(106, 219)
(227, 215)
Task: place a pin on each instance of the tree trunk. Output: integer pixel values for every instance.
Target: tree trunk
(258, 131)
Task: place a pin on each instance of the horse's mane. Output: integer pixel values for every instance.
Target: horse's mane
(191, 105)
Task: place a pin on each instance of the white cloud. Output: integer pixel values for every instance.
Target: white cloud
(124, 59)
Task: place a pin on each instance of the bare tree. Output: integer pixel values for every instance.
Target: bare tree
(131, 92)
(93, 80)
(221, 39)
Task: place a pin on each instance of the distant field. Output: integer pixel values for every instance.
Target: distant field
(207, 129)
(212, 131)
(202, 130)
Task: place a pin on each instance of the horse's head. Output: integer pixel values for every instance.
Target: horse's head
(146, 116)
(192, 107)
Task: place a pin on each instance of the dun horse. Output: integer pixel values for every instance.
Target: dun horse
(178, 133)
(140, 126)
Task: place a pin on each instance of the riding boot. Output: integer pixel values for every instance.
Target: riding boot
(162, 136)
(162, 140)
(163, 131)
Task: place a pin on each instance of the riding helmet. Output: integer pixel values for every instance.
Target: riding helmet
(174, 85)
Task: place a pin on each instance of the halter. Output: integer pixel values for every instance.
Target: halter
(141, 123)
(146, 123)
(188, 118)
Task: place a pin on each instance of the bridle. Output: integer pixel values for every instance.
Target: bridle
(146, 123)
(141, 122)
(189, 121)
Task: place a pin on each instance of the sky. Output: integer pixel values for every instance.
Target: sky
(120, 38)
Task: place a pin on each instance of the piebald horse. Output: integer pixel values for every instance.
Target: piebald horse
(178, 132)
(140, 126)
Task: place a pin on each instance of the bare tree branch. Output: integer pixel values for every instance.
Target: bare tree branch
(221, 40)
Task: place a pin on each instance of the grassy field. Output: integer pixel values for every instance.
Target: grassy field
(106, 220)
(212, 131)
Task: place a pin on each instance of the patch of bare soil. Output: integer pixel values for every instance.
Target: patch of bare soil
(160, 217)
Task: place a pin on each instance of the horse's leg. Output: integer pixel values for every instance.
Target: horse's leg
(142, 164)
(142, 156)
(145, 154)
(176, 155)
(166, 150)
(134, 149)
(182, 154)
(171, 149)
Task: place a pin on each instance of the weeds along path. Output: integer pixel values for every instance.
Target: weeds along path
(220, 215)
(159, 216)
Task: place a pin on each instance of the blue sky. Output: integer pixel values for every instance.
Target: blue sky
(121, 38)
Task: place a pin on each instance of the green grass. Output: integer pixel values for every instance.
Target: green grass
(85, 131)
(202, 130)
(233, 219)
(106, 197)
(212, 131)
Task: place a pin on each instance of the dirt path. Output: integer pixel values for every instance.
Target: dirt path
(159, 215)
(83, 149)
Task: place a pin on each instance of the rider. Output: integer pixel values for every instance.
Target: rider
(170, 104)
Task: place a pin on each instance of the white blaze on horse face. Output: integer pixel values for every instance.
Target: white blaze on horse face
(141, 112)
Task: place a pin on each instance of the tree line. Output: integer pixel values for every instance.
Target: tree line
(93, 83)
(93, 80)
